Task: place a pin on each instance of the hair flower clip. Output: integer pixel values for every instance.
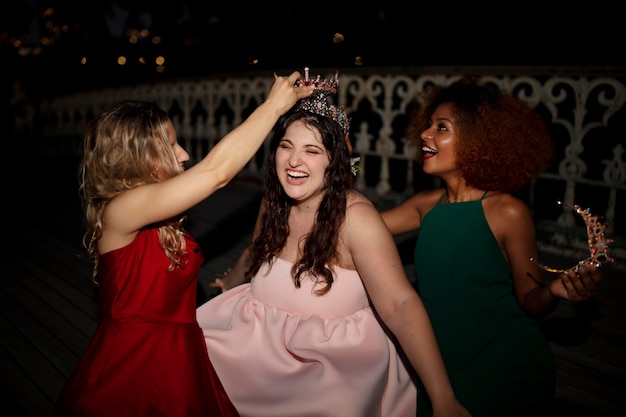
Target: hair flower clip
(597, 242)
(354, 166)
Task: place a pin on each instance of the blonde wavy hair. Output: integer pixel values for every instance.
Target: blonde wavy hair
(127, 146)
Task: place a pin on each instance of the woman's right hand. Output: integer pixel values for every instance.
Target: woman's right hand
(284, 94)
(451, 409)
(227, 280)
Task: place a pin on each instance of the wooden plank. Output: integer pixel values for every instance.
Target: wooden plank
(589, 345)
(63, 298)
(586, 389)
(60, 338)
(20, 395)
(64, 259)
(47, 320)
(30, 377)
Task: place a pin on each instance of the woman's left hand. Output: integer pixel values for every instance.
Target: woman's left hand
(578, 283)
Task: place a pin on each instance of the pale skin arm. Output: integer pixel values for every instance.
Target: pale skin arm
(376, 258)
(126, 214)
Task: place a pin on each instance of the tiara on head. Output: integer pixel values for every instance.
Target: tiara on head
(317, 102)
(323, 86)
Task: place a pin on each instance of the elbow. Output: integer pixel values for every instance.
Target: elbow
(539, 305)
(221, 178)
(395, 314)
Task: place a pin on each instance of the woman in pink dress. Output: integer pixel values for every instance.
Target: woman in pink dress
(147, 356)
(302, 338)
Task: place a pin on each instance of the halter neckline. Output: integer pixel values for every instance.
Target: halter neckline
(445, 193)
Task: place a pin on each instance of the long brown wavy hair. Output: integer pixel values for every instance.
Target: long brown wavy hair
(127, 146)
(320, 248)
(502, 142)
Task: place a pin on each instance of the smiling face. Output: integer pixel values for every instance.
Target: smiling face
(439, 143)
(301, 161)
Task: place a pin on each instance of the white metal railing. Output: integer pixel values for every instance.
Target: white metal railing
(587, 117)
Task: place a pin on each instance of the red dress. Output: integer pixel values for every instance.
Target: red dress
(147, 356)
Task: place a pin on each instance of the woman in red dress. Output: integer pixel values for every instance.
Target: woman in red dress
(148, 356)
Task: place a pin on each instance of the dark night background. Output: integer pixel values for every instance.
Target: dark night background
(42, 42)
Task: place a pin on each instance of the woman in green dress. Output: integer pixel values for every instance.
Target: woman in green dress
(476, 240)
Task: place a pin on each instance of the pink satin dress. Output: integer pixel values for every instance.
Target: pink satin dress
(284, 351)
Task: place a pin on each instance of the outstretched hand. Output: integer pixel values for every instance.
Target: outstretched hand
(451, 409)
(228, 280)
(218, 283)
(578, 283)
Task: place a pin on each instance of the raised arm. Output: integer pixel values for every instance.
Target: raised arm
(152, 203)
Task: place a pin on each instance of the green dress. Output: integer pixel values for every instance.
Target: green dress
(498, 361)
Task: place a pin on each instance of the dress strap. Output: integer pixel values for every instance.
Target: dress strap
(445, 193)
(485, 193)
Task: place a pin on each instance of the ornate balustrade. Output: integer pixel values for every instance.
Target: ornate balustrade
(586, 113)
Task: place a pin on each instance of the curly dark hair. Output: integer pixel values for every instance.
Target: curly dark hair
(320, 249)
(502, 142)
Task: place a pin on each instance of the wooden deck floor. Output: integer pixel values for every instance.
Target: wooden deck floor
(48, 307)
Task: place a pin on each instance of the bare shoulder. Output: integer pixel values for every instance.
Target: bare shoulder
(356, 199)
(362, 226)
(505, 206)
(360, 209)
(507, 215)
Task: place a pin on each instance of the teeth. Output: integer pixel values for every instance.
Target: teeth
(426, 149)
(296, 174)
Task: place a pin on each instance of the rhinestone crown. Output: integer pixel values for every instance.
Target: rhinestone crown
(317, 102)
